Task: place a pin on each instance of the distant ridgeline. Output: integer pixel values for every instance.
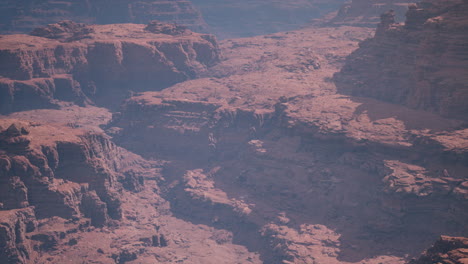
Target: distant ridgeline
(25, 15)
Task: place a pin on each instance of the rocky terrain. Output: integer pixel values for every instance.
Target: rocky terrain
(421, 64)
(367, 12)
(101, 64)
(166, 146)
(362, 176)
(26, 15)
(446, 250)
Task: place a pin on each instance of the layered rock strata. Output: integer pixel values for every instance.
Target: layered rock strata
(80, 63)
(421, 64)
(24, 16)
(61, 172)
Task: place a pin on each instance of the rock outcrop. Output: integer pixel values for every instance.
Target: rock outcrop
(421, 64)
(80, 63)
(49, 171)
(24, 16)
(367, 12)
(446, 250)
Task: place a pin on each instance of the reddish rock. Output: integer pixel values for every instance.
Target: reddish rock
(14, 226)
(421, 64)
(74, 62)
(446, 250)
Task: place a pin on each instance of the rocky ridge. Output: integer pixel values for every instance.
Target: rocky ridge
(24, 16)
(420, 64)
(83, 63)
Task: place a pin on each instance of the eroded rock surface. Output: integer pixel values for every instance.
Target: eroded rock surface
(101, 64)
(421, 64)
(446, 250)
(313, 171)
(50, 171)
(259, 160)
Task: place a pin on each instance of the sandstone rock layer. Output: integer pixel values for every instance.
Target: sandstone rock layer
(79, 63)
(421, 64)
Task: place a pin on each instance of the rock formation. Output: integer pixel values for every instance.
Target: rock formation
(421, 64)
(80, 63)
(25, 15)
(446, 250)
(367, 12)
(49, 171)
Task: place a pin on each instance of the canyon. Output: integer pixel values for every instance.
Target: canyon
(150, 143)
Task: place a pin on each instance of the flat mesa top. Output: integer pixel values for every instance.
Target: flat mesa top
(114, 32)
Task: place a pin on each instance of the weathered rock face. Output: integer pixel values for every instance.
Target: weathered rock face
(79, 63)
(242, 18)
(367, 12)
(14, 225)
(24, 16)
(421, 64)
(446, 250)
(49, 171)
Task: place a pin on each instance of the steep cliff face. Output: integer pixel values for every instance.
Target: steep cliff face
(24, 16)
(421, 64)
(79, 63)
(243, 18)
(49, 171)
(367, 12)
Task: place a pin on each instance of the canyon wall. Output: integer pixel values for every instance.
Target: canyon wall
(80, 63)
(421, 64)
(26, 15)
(367, 12)
(290, 170)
